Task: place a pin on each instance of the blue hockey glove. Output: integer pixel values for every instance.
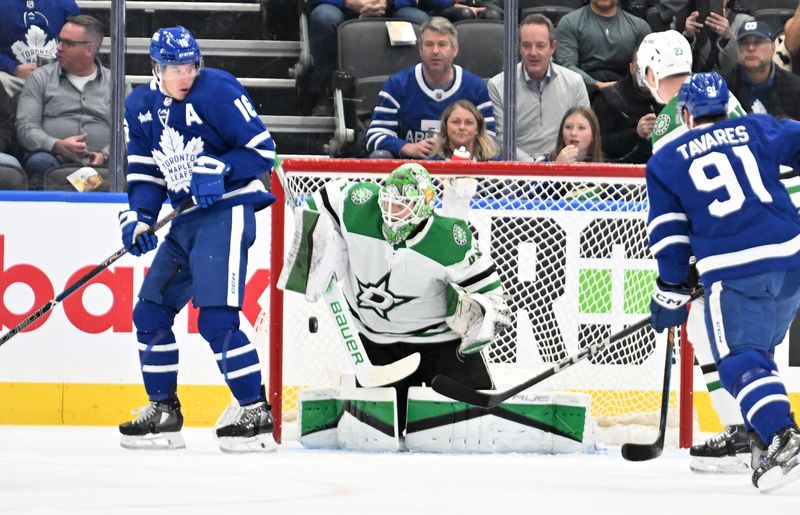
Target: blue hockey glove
(208, 180)
(134, 228)
(669, 305)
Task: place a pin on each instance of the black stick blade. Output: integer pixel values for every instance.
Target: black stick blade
(642, 452)
(461, 392)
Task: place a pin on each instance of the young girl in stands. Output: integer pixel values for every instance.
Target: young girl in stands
(463, 125)
(578, 138)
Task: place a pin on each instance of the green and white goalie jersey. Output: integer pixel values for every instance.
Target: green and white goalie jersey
(401, 293)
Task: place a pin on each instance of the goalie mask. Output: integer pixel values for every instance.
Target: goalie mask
(171, 50)
(406, 200)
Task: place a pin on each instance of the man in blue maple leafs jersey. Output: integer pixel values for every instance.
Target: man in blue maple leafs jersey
(715, 192)
(193, 134)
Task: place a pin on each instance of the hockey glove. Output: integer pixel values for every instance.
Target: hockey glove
(135, 235)
(208, 179)
(668, 306)
(477, 318)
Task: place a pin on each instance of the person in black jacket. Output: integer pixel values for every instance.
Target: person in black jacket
(627, 114)
(760, 85)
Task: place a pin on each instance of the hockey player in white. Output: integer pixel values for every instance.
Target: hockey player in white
(414, 280)
(664, 62)
(715, 193)
(193, 134)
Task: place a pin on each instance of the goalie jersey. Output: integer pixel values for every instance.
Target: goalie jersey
(401, 293)
(717, 189)
(165, 137)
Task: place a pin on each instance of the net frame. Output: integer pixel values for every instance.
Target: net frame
(601, 173)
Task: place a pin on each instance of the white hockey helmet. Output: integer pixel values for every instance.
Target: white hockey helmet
(665, 54)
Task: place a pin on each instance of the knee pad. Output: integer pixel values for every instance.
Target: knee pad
(152, 319)
(215, 322)
(741, 368)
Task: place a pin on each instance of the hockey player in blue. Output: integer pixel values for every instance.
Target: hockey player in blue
(193, 133)
(715, 192)
(410, 105)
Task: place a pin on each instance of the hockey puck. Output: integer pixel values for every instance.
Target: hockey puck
(313, 325)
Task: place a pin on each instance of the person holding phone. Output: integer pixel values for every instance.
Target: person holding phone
(710, 29)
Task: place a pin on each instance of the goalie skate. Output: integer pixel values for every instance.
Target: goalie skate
(251, 431)
(157, 426)
(725, 453)
(779, 465)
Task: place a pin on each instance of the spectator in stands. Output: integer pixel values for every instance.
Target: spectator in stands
(323, 22)
(64, 109)
(597, 41)
(7, 158)
(410, 105)
(627, 115)
(27, 37)
(466, 9)
(579, 139)
(713, 42)
(545, 90)
(791, 31)
(463, 125)
(759, 84)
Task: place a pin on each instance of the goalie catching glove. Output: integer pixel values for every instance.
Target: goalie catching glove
(668, 307)
(317, 255)
(476, 317)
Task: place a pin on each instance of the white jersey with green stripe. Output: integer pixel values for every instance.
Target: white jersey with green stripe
(400, 293)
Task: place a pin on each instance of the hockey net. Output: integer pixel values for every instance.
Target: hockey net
(570, 246)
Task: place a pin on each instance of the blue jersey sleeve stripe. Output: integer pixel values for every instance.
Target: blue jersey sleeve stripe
(140, 177)
(750, 255)
(667, 217)
(485, 105)
(379, 109)
(144, 160)
(390, 98)
(659, 245)
(259, 138)
(388, 123)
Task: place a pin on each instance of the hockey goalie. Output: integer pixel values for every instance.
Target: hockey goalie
(413, 281)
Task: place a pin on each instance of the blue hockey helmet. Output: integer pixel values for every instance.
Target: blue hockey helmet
(704, 94)
(174, 45)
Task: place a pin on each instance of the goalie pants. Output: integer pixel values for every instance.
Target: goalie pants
(436, 358)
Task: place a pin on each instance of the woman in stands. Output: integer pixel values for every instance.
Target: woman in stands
(578, 138)
(463, 125)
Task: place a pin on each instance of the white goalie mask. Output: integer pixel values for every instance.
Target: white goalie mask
(665, 54)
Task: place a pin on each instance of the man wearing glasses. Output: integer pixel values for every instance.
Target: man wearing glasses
(761, 86)
(64, 109)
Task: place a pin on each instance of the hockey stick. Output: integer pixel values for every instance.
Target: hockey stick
(463, 393)
(648, 451)
(367, 374)
(72, 288)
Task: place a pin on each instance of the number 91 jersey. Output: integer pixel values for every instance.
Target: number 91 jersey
(165, 136)
(715, 192)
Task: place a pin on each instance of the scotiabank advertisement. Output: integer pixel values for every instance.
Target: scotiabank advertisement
(47, 245)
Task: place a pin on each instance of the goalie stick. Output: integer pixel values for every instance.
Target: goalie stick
(367, 374)
(488, 399)
(648, 451)
(72, 288)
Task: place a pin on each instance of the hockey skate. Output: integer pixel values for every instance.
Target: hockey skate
(725, 453)
(157, 426)
(779, 465)
(250, 431)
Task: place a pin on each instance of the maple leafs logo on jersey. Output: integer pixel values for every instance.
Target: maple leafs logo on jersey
(175, 160)
(35, 44)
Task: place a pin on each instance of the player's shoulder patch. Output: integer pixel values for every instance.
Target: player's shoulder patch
(447, 241)
(460, 236)
(662, 125)
(360, 194)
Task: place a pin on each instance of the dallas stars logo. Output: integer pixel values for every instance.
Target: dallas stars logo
(378, 297)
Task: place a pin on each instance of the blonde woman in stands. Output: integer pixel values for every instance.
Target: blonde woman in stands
(463, 125)
(578, 137)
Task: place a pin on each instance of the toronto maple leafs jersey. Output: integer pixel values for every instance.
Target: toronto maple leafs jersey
(399, 293)
(165, 137)
(408, 110)
(28, 29)
(715, 191)
(669, 122)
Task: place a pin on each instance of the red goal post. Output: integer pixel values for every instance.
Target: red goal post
(569, 241)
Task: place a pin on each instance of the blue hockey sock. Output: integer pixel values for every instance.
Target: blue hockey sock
(750, 375)
(158, 352)
(237, 358)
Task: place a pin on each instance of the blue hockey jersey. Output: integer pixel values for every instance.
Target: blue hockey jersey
(408, 110)
(165, 136)
(715, 192)
(28, 29)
